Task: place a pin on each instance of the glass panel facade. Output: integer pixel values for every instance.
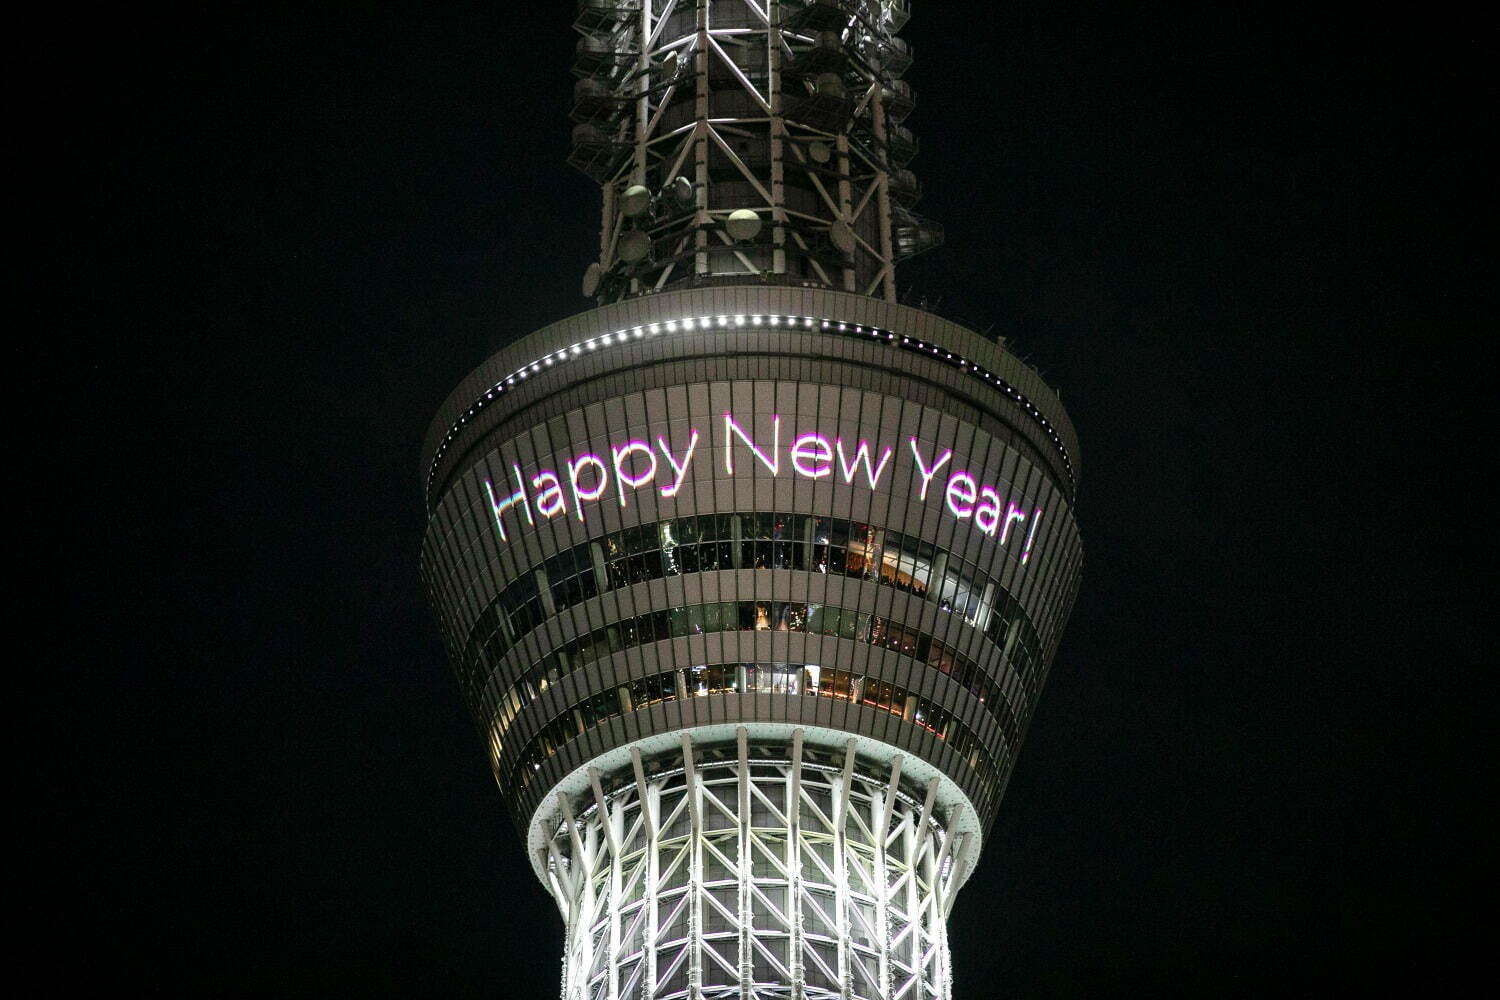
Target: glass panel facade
(808, 680)
(787, 616)
(757, 540)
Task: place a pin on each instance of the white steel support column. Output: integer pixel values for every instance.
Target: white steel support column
(581, 941)
(842, 793)
(642, 87)
(916, 850)
(880, 816)
(777, 136)
(938, 895)
(846, 204)
(932, 955)
(742, 862)
(883, 205)
(700, 143)
(649, 797)
(695, 873)
(795, 929)
(607, 224)
(610, 823)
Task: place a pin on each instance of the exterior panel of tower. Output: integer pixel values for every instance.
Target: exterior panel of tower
(750, 576)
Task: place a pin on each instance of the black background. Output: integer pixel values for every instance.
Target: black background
(1240, 240)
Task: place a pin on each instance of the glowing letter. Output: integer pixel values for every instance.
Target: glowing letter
(622, 478)
(809, 449)
(961, 493)
(1013, 513)
(574, 468)
(861, 454)
(927, 473)
(681, 470)
(1036, 518)
(773, 463)
(549, 502)
(987, 514)
(500, 506)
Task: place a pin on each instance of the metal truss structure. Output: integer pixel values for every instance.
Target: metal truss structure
(755, 870)
(747, 140)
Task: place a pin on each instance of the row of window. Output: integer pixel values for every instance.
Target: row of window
(755, 540)
(745, 616)
(807, 680)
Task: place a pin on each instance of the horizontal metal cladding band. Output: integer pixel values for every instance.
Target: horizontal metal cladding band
(706, 680)
(711, 323)
(790, 617)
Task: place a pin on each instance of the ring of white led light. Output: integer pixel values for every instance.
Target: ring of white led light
(689, 323)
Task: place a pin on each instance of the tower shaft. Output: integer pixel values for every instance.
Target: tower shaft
(751, 576)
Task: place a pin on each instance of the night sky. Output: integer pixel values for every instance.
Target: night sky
(1239, 240)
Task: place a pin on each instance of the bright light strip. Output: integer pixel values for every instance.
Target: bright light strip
(706, 322)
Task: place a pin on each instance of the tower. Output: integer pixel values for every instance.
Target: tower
(750, 575)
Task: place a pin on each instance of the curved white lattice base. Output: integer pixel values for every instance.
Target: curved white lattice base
(754, 871)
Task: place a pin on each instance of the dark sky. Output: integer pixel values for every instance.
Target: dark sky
(1239, 239)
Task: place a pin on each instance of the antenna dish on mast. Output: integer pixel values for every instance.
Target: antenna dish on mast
(681, 190)
(635, 201)
(742, 224)
(591, 277)
(634, 246)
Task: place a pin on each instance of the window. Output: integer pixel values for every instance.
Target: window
(768, 540)
(763, 678)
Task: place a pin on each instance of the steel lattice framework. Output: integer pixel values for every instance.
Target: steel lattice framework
(755, 871)
(790, 110)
